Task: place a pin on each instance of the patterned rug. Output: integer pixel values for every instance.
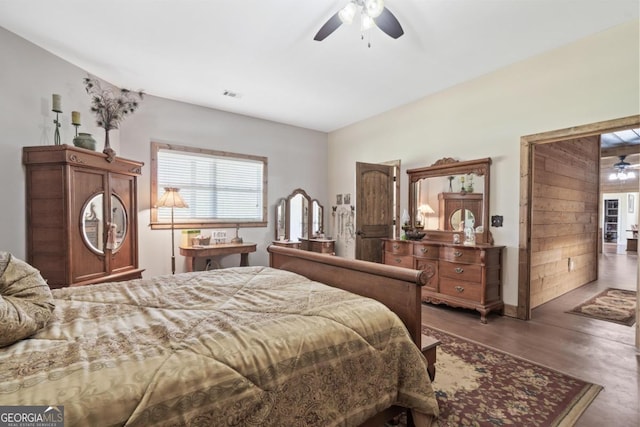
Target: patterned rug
(612, 305)
(483, 387)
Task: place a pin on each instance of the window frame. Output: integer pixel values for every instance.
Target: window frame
(156, 224)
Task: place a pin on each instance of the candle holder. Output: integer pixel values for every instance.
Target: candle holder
(75, 120)
(56, 134)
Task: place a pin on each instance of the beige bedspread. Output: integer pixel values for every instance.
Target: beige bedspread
(250, 346)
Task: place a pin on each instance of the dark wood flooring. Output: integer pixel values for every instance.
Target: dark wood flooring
(593, 350)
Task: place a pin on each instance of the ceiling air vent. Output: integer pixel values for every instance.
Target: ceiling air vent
(231, 94)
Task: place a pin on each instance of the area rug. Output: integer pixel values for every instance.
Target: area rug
(612, 305)
(479, 386)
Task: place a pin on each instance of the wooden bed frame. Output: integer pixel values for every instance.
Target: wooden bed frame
(397, 288)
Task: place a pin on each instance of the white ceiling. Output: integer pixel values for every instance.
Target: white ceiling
(194, 50)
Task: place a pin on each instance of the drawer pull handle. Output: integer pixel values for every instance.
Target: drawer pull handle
(399, 260)
(424, 250)
(460, 289)
(457, 254)
(459, 270)
(396, 246)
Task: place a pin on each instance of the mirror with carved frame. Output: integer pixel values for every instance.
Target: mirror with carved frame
(449, 195)
(298, 216)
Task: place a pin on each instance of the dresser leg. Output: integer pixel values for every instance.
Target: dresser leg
(483, 316)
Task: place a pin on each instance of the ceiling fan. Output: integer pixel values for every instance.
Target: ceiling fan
(622, 173)
(372, 13)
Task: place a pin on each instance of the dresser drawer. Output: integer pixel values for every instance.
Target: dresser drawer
(405, 261)
(424, 250)
(457, 271)
(460, 254)
(398, 247)
(460, 289)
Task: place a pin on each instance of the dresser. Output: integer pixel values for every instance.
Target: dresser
(82, 215)
(457, 275)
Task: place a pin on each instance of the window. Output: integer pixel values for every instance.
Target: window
(222, 189)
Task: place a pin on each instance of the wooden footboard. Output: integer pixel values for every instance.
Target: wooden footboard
(397, 288)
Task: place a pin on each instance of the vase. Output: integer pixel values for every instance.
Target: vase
(111, 154)
(85, 140)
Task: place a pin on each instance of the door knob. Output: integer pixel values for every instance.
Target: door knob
(360, 233)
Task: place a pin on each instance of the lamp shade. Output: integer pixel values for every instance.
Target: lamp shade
(426, 209)
(171, 199)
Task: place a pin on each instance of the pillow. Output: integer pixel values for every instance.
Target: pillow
(25, 300)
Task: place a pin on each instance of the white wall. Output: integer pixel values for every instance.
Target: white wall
(297, 158)
(592, 80)
(29, 75)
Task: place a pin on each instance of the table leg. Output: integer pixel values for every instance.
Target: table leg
(244, 260)
(191, 264)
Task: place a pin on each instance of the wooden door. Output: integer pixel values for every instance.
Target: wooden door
(374, 209)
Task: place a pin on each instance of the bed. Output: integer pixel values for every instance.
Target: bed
(247, 346)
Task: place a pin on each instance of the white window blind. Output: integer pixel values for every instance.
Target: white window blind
(217, 187)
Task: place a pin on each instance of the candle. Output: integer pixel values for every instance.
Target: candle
(56, 103)
(75, 118)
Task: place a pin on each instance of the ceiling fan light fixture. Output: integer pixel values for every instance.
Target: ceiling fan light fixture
(373, 7)
(622, 176)
(366, 22)
(348, 13)
(621, 173)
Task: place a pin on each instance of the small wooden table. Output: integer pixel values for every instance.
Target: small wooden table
(429, 346)
(194, 252)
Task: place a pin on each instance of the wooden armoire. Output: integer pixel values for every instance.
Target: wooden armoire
(82, 215)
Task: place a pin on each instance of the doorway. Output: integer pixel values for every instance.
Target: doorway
(527, 200)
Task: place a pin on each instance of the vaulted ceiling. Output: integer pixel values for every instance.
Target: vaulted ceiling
(263, 51)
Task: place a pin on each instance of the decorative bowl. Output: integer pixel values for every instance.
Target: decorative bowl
(415, 234)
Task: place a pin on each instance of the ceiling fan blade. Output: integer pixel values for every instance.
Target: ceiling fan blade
(388, 23)
(329, 27)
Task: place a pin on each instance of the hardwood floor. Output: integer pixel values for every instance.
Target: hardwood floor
(593, 350)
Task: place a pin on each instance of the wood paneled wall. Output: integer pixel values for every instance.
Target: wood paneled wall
(564, 217)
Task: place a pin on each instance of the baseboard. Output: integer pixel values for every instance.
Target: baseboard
(510, 311)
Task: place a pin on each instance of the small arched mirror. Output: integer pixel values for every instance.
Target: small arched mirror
(92, 223)
(298, 217)
(281, 219)
(317, 225)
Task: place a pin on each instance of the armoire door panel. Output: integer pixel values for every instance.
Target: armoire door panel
(125, 255)
(86, 262)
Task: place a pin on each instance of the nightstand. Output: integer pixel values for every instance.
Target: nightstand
(429, 347)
